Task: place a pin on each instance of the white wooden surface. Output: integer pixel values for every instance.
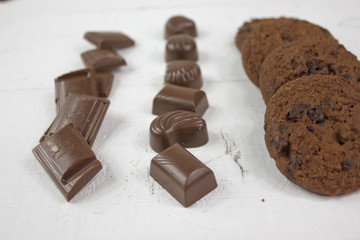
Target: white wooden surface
(41, 39)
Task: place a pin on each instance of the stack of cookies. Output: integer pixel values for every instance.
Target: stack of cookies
(310, 85)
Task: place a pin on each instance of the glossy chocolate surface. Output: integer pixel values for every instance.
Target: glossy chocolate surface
(68, 159)
(85, 112)
(183, 127)
(180, 25)
(184, 73)
(181, 47)
(104, 81)
(185, 177)
(102, 59)
(173, 97)
(109, 39)
(81, 81)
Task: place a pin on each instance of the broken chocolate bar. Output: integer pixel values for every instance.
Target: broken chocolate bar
(183, 127)
(180, 25)
(184, 73)
(173, 97)
(68, 159)
(104, 81)
(85, 112)
(181, 47)
(102, 59)
(81, 81)
(185, 177)
(109, 39)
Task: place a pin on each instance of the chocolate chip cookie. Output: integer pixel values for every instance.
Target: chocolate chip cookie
(312, 128)
(303, 58)
(267, 34)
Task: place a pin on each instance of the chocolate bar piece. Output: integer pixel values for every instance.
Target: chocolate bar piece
(104, 81)
(85, 112)
(68, 159)
(185, 177)
(102, 59)
(109, 39)
(173, 97)
(184, 73)
(183, 127)
(180, 25)
(181, 47)
(81, 81)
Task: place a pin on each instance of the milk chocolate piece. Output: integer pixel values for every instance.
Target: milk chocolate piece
(81, 81)
(102, 59)
(184, 73)
(85, 112)
(68, 159)
(185, 177)
(109, 39)
(104, 81)
(181, 47)
(183, 127)
(173, 97)
(180, 25)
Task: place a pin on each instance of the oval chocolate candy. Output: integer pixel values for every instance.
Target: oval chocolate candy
(180, 25)
(183, 127)
(184, 73)
(181, 47)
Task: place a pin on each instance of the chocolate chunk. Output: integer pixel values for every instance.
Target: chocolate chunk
(181, 47)
(85, 112)
(173, 97)
(317, 67)
(81, 81)
(348, 165)
(183, 73)
(104, 81)
(296, 112)
(281, 145)
(183, 127)
(68, 159)
(310, 128)
(102, 59)
(109, 39)
(181, 174)
(316, 114)
(180, 25)
(287, 37)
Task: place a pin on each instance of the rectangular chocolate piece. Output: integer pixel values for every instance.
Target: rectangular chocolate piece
(81, 81)
(104, 81)
(185, 177)
(109, 39)
(68, 159)
(102, 59)
(85, 112)
(173, 97)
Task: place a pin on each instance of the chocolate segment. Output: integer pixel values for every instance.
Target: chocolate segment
(185, 177)
(85, 112)
(184, 73)
(173, 97)
(180, 25)
(183, 127)
(109, 39)
(81, 81)
(68, 159)
(104, 81)
(102, 59)
(181, 47)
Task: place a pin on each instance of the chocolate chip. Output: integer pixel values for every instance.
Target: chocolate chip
(296, 112)
(316, 114)
(317, 67)
(294, 64)
(265, 127)
(281, 145)
(348, 77)
(348, 165)
(358, 78)
(295, 163)
(287, 37)
(325, 31)
(310, 128)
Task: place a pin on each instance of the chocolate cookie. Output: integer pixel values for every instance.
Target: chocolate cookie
(298, 59)
(312, 128)
(243, 32)
(268, 34)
